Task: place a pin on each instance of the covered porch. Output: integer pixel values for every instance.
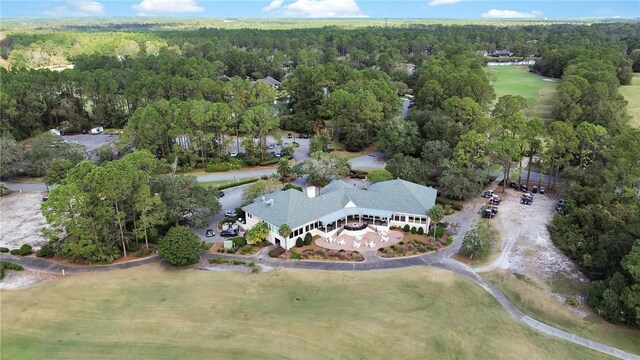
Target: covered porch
(355, 219)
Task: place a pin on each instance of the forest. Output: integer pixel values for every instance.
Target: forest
(161, 84)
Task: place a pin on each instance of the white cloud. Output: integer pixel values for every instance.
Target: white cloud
(77, 8)
(511, 14)
(156, 7)
(87, 7)
(443, 2)
(273, 5)
(318, 8)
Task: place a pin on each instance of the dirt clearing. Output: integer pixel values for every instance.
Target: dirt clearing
(525, 243)
(21, 221)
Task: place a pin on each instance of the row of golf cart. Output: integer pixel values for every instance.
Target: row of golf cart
(490, 210)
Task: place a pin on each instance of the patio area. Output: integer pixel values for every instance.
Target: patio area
(367, 241)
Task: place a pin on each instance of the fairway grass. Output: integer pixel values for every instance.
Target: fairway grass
(631, 93)
(517, 80)
(530, 298)
(148, 312)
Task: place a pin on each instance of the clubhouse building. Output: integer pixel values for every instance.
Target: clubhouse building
(341, 208)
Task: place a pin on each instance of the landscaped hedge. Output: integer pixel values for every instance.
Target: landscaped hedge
(239, 241)
(275, 253)
(9, 266)
(269, 162)
(299, 242)
(44, 251)
(307, 239)
(4, 250)
(25, 250)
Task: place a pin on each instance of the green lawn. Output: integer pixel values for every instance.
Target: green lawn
(532, 299)
(631, 93)
(517, 80)
(224, 182)
(151, 313)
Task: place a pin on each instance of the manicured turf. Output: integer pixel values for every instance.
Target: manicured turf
(631, 93)
(534, 300)
(223, 182)
(151, 313)
(517, 80)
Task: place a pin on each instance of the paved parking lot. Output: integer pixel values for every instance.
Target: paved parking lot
(91, 142)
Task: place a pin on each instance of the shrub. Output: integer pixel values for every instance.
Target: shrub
(299, 242)
(449, 240)
(44, 251)
(308, 239)
(421, 231)
(4, 250)
(406, 228)
(295, 255)
(143, 252)
(401, 243)
(572, 302)
(438, 232)
(230, 251)
(4, 190)
(422, 248)
(25, 250)
(15, 252)
(180, 246)
(246, 249)
(275, 253)
(476, 243)
(414, 230)
(239, 241)
(383, 250)
(457, 207)
(255, 270)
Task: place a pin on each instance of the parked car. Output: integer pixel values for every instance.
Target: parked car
(273, 153)
(289, 136)
(526, 199)
(494, 210)
(233, 154)
(278, 154)
(209, 233)
(495, 200)
(541, 190)
(230, 213)
(488, 194)
(535, 189)
(220, 193)
(524, 187)
(306, 136)
(488, 214)
(271, 146)
(229, 233)
(300, 136)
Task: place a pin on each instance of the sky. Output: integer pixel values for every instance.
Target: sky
(430, 9)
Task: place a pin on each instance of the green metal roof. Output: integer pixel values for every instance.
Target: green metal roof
(294, 208)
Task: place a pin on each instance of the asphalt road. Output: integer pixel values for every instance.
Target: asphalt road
(231, 200)
(91, 142)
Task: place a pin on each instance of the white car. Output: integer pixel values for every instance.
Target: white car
(233, 154)
(230, 213)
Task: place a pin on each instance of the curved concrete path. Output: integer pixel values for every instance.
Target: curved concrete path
(440, 259)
